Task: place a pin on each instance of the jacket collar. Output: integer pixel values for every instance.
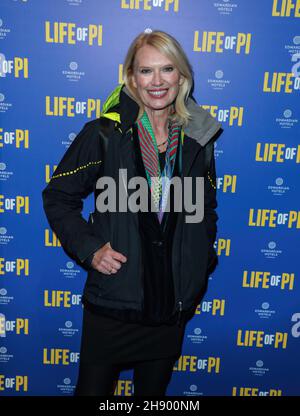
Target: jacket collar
(201, 127)
(121, 107)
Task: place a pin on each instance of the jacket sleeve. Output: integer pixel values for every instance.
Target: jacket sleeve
(72, 181)
(210, 205)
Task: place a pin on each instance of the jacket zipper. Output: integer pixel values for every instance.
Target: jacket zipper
(129, 134)
(142, 282)
(179, 321)
(180, 302)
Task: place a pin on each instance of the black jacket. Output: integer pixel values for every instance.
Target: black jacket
(102, 147)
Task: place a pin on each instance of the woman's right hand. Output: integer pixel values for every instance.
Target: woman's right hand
(107, 261)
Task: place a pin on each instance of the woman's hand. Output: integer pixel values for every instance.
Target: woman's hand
(107, 261)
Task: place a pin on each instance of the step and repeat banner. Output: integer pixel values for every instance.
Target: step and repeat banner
(59, 60)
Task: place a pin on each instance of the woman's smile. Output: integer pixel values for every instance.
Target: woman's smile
(158, 93)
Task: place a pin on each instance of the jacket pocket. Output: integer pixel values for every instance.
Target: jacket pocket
(100, 225)
(212, 258)
(118, 286)
(212, 254)
(91, 218)
(194, 262)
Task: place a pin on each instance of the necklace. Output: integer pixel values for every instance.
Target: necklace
(168, 139)
(161, 144)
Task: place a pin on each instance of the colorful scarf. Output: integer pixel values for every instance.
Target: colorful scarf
(159, 183)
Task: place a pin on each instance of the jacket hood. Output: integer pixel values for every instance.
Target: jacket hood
(122, 107)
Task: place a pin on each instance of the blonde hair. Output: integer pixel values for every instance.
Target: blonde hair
(170, 47)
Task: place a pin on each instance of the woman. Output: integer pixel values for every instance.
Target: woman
(147, 270)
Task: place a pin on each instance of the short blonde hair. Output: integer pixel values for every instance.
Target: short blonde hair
(170, 47)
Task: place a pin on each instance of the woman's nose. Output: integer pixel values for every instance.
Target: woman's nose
(157, 79)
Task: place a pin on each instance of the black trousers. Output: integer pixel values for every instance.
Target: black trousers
(150, 378)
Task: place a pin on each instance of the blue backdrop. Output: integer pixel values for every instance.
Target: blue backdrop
(59, 60)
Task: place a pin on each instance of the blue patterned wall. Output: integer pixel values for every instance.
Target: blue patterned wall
(59, 60)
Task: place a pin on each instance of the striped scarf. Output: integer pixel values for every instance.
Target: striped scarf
(159, 183)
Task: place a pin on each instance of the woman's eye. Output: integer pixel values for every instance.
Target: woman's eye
(144, 71)
(148, 70)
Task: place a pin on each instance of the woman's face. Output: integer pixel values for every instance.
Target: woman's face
(156, 78)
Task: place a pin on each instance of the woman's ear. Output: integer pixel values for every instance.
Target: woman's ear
(133, 81)
(181, 80)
